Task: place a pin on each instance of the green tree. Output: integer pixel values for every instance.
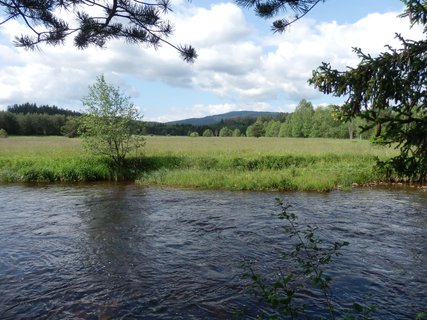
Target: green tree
(326, 125)
(9, 122)
(272, 129)
(106, 128)
(237, 133)
(71, 127)
(256, 130)
(194, 134)
(285, 129)
(96, 22)
(301, 119)
(298, 124)
(225, 132)
(389, 92)
(208, 133)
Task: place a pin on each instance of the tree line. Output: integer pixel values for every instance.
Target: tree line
(309, 122)
(306, 121)
(27, 107)
(30, 119)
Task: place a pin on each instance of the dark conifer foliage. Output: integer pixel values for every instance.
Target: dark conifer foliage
(95, 22)
(272, 8)
(390, 92)
(27, 107)
(30, 119)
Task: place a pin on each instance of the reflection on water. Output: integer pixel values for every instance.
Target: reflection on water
(121, 251)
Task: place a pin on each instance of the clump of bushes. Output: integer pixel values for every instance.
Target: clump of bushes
(3, 133)
(194, 134)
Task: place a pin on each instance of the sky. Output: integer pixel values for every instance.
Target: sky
(241, 65)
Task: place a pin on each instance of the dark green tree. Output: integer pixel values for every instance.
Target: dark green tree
(70, 127)
(256, 130)
(389, 92)
(9, 122)
(271, 8)
(95, 22)
(27, 107)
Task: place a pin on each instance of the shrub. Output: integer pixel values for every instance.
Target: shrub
(3, 133)
(208, 133)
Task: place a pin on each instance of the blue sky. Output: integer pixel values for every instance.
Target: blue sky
(242, 65)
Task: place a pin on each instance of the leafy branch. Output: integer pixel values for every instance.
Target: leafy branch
(307, 261)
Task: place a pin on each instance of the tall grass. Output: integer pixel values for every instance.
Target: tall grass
(320, 173)
(250, 147)
(215, 163)
(47, 159)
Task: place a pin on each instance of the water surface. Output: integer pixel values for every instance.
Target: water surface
(124, 252)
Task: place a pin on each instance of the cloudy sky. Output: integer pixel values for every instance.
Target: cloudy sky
(242, 65)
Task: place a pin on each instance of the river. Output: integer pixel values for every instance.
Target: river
(124, 251)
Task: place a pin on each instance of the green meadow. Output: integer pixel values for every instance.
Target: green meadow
(210, 163)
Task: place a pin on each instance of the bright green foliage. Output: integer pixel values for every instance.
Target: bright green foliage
(236, 132)
(225, 132)
(208, 133)
(324, 124)
(300, 121)
(272, 129)
(106, 128)
(308, 260)
(3, 133)
(194, 134)
(390, 92)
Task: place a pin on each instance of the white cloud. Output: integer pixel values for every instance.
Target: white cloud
(234, 63)
(221, 23)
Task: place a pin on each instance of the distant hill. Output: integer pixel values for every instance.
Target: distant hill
(225, 116)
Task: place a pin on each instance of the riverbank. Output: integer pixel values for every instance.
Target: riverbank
(209, 163)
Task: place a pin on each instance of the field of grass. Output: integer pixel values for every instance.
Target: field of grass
(215, 163)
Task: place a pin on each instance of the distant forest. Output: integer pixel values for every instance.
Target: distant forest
(305, 121)
(32, 108)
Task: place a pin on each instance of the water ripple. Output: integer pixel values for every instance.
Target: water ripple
(124, 252)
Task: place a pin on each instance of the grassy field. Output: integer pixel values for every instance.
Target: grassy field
(218, 163)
